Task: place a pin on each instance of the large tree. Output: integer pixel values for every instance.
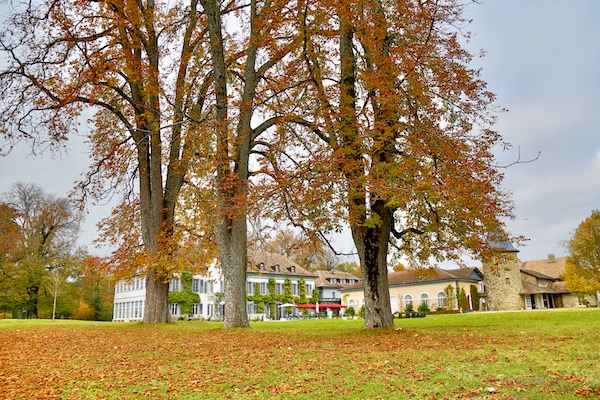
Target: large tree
(44, 228)
(583, 263)
(403, 144)
(252, 47)
(138, 68)
(10, 252)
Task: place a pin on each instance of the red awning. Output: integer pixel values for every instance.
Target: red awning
(308, 305)
(332, 306)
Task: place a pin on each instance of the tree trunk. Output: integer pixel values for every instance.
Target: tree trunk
(232, 246)
(32, 301)
(156, 309)
(371, 241)
(372, 246)
(231, 185)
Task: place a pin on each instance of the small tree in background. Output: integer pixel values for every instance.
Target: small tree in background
(450, 299)
(475, 297)
(582, 272)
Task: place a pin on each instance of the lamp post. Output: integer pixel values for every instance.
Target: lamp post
(55, 296)
(55, 272)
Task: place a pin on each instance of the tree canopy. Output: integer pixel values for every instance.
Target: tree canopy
(37, 238)
(583, 263)
(391, 133)
(359, 112)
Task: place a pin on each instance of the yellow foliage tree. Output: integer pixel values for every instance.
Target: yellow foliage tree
(583, 263)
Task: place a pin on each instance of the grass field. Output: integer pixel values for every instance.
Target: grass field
(517, 355)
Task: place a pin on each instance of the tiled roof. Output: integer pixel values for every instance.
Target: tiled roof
(324, 278)
(559, 287)
(271, 261)
(552, 267)
(537, 274)
(501, 244)
(553, 288)
(466, 273)
(409, 277)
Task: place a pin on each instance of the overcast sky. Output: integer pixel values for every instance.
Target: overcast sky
(543, 62)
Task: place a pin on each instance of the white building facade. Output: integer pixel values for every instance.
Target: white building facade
(130, 295)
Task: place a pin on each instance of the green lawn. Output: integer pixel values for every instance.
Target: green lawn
(516, 355)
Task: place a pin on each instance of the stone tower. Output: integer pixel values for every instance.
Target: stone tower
(502, 279)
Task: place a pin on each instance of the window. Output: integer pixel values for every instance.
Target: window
(202, 286)
(174, 309)
(528, 302)
(263, 288)
(407, 300)
(175, 285)
(394, 304)
(295, 291)
(279, 288)
(424, 300)
(250, 308)
(441, 300)
(480, 287)
(292, 269)
(352, 303)
(197, 309)
(250, 288)
(507, 280)
(309, 290)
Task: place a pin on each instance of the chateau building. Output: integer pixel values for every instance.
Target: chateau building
(504, 283)
(264, 269)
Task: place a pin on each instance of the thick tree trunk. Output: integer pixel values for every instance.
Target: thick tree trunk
(231, 185)
(232, 247)
(156, 309)
(371, 242)
(372, 246)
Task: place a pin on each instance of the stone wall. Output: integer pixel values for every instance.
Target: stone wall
(502, 280)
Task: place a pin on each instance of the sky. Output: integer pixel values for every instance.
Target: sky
(543, 62)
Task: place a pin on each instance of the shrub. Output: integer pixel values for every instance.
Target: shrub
(84, 311)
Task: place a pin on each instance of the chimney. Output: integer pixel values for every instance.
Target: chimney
(551, 258)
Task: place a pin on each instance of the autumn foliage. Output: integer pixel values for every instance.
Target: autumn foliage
(461, 357)
(359, 113)
(583, 263)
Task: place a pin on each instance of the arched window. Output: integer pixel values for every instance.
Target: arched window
(352, 303)
(394, 304)
(407, 300)
(441, 299)
(424, 300)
